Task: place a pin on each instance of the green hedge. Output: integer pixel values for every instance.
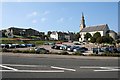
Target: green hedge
(107, 54)
(78, 53)
(62, 53)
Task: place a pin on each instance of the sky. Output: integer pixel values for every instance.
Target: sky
(58, 16)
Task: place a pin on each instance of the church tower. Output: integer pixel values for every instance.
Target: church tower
(82, 25)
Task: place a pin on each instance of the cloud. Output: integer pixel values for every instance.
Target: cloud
(70, 18)
(46, 12)
(34, 13)
(34, 21)
(43, 19)
(60, 20)
(19, 0)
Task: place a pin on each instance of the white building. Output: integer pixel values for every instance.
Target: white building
(102, 29)
(54, 35)
(61, 36)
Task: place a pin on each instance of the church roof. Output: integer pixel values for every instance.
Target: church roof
(111, 31)
(94, 28)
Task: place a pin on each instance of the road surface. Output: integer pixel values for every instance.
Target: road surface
(17, 66)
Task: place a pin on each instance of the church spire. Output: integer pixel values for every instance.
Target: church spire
(82, 25)
(82, 15)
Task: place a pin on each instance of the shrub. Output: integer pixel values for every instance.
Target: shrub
(107, 54)
(16, 51)
(6, 50)
(64, 53)
(78, 53)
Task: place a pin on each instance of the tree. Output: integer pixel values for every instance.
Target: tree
(77, 36)
(96, 35)
(48, 34)
(118, 41)
(99, 40)
(92, 40)
(107, 39)
(87, 36)
(3, 34)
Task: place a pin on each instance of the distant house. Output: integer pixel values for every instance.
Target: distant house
(61, 36)
(23, 32)
(54, 36)
(102, 29)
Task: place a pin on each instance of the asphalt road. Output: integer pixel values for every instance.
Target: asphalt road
(41, 67)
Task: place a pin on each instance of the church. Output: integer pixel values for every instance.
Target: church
(103, 29)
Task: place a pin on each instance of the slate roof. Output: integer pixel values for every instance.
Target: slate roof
(111, 31)
(94, 28)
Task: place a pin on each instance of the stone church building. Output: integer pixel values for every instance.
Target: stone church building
(103, 29)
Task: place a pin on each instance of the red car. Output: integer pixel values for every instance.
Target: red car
(59, 42)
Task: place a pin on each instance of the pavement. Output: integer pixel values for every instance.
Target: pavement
(34, 66)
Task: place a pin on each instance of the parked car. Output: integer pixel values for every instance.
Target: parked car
(72, 48)
(98, 50)
(2, 45)
(118, 50)
(57, 47)
(49, 43)
(41, 50)
(22, 45)
(59, 42)
(76, 42)
(78, 50)
(63, 47)
(30, 45)
(14, 46)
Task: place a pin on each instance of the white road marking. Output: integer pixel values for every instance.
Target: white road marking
(89, 67)
(25, 65)
(108, 70)
(34, 71)
(103, 68)
(9, 68)
(63, 68)
(16, 70)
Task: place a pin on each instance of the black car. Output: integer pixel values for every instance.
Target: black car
(111, 49)
(41, 50)
(30, 45)
(97, 50)
(55, 47)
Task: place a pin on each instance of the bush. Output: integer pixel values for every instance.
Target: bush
(63, 53)
(6, 50)
(16, 51)
(78, 53)
(107, 54)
